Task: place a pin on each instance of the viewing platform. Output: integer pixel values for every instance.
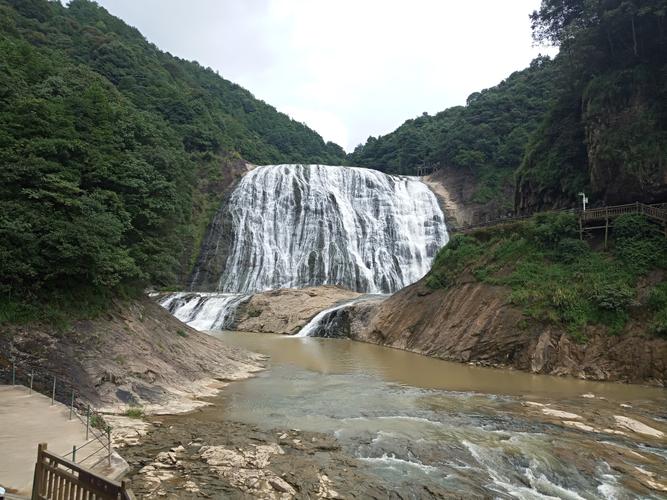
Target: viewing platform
(28, 418)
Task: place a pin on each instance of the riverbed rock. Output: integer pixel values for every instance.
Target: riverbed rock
(246, 469)
(637, 426)
(286, 311)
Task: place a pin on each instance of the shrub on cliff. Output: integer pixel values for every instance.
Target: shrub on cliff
(452, 259)
(559, 279)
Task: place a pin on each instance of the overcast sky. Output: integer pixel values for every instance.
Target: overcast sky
(347, 68)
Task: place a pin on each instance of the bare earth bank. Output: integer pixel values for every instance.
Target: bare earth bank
(474, 322)
(135, 354)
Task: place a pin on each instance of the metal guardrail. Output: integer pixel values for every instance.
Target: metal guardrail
(656, 212)
(98, 432)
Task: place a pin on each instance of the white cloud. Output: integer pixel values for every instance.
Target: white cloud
(347, 68)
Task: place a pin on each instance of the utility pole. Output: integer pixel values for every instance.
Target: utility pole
(584, 200)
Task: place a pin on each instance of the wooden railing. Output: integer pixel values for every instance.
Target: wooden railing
(57, 478)
(656, 212)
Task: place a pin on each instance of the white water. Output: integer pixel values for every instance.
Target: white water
(305, 225)
(318, 325)
(204, 311)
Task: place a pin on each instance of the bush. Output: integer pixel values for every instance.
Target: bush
(638, 244)
(134, 412)
(640, 255)
(452, 259)
(611, 296)
(659, 324)
(633, 226)
(657, 298)
(548, 229)
(569, 250)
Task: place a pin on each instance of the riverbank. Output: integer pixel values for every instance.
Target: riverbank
(136, 355)
(475, 322)
(472, 322)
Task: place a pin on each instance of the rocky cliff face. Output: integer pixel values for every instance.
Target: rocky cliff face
(626, 152)
(473, 322)
(455, 190)
(613, 147)
(210, 261)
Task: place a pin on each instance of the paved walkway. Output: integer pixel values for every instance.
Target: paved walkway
(27, 420)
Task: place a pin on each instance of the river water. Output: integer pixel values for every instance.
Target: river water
(422, 424)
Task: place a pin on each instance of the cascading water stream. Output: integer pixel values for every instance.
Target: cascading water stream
(324, 323)
(294, 226)
(204, 311)
(308, 225)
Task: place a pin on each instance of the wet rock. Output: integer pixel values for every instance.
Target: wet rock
(326, 488)
(246, 468)
(560, 414)
(637, 426)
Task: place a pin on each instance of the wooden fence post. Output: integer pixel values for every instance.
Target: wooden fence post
(38, 479)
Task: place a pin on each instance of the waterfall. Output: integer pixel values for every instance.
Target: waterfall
(204, 311)
(305, 225)
(292, 226)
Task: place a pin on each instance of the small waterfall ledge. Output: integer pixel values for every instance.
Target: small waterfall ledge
(204, 311)
(329, 323)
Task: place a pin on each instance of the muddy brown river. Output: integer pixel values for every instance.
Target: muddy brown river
(472, 431)
(384, 423)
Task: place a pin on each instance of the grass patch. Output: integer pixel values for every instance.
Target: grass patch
(181, 333)
(134, 412)
(555, 277)
(60, 308)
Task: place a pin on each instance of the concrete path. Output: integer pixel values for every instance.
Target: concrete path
(29, 419)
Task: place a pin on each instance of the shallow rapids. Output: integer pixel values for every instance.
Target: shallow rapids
(422, 424)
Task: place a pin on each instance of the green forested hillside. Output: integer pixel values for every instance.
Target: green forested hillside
(594, 119)
(108, 152)
(556, 278)
(487, 137)
(606, 131)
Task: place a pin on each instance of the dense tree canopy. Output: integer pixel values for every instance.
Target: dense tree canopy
(104, 145)
(607, 129)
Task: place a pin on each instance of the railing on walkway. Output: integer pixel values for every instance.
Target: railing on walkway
(503, 220)
(98, 432)
(57, 478)
(657, 212)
